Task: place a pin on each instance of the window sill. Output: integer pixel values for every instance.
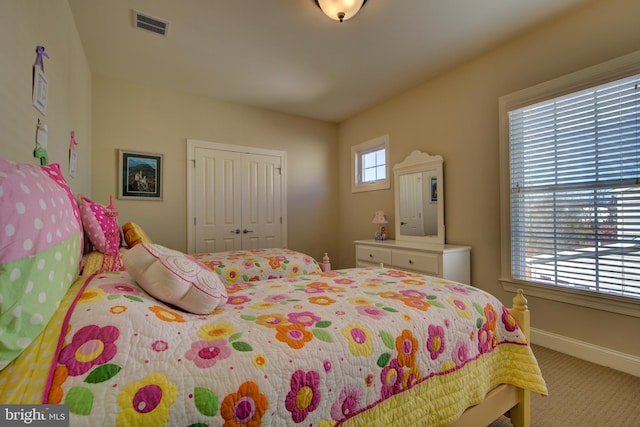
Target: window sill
(382, 185)
(611, 303)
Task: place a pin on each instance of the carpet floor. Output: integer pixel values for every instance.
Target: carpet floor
(582, 394)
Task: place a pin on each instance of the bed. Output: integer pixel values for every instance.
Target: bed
(362, 346)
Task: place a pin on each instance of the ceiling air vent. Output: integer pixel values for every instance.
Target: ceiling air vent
(150, 23)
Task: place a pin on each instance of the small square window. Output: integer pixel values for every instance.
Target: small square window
(370, 168)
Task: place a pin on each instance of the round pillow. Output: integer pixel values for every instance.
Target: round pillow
(175, 278)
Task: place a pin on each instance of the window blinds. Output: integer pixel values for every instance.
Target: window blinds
(575, 190)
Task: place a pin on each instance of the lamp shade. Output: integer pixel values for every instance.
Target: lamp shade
(380, 218)
(340, 10)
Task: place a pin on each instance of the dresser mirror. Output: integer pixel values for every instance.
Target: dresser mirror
(419, 198)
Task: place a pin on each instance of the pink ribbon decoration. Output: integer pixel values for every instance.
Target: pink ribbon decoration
(73, 142)
(40, 53)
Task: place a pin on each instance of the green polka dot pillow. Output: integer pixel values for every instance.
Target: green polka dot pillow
(40, 250)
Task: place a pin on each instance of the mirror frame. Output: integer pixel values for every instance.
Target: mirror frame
(419, 161)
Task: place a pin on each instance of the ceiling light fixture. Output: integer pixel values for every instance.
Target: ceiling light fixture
(340, 10)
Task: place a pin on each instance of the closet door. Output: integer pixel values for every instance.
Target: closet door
(236, 200)
(261, 202)
(218, 200)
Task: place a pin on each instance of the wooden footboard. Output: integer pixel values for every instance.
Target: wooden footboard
(505, 397)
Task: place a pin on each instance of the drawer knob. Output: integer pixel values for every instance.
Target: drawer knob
(410, 261)
(370, 255)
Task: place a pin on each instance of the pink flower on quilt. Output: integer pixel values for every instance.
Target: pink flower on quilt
(90, 346)
(277, 298)
(316, 287)
(160, 346)
(205, 354)
(508, 320)
(487, 339)
(460, 353)
(343, 281)
(391, 378)
(304, 396)
(396, 273)
(435, 342)
(238, 299)
(459, 289)
(371, 311)
(410, 293)
(120, 288)
(305, 318)
(347, 404)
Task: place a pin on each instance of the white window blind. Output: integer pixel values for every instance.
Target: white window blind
(575, 190)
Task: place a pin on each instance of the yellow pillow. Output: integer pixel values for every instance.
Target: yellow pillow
(133, 234)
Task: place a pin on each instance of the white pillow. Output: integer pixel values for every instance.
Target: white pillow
(175, 278)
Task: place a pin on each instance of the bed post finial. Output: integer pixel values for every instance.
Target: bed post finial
(519, 301)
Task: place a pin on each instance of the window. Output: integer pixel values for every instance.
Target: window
(370, 165)
(572, 186)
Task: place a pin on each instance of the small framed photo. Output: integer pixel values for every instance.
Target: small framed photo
(140, 175)
(40, 90)
(434, 189)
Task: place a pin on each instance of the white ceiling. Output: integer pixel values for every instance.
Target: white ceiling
(286, 55)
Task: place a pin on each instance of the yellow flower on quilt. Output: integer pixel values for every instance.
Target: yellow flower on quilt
(264, 305)
(272, 320)
(359, 339)
(216, 331)
(232, 275)
(147, 402)
(359, 301)
(461, 306)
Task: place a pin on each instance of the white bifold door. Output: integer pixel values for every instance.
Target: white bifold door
(237, 200)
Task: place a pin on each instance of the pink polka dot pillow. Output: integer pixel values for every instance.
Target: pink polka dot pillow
(40, 251)
(97, 225)
(175, 278)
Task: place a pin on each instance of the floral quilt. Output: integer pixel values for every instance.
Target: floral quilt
(249, 265)
(366, 346)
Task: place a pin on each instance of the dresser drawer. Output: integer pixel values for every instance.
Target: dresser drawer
(423, 262)
(373, 254)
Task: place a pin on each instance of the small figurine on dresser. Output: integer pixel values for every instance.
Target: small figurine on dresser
(380, 218)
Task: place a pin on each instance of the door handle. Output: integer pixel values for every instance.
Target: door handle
(245, 231)
(402, 223)
(236, 231)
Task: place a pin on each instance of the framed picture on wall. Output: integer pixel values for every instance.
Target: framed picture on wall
(140, 175)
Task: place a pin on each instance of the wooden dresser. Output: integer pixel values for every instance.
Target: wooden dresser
(447, 261)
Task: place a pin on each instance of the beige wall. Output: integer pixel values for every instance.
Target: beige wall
(23, 26)
(158, 120)
(456, 115)
(323, 213)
